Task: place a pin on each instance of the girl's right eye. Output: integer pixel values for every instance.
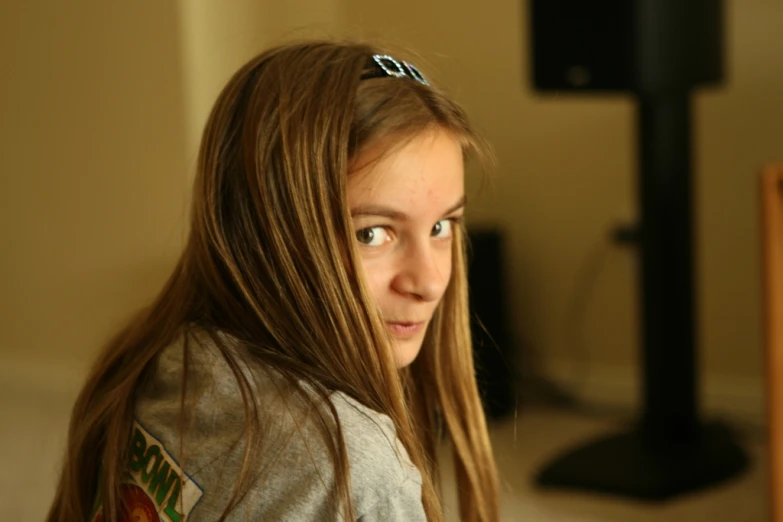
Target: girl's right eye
(372, 236)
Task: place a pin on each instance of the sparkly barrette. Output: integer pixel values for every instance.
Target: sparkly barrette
(382, 65)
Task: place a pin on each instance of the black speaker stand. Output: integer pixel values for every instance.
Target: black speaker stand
(671, 451)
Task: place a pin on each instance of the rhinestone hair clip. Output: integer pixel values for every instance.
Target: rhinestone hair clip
(383, 65)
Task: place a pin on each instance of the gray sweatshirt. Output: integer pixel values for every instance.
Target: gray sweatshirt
(294, 474)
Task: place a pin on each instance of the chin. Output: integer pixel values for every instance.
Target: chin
(406, 351)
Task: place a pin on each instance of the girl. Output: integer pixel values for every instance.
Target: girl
(312, 343)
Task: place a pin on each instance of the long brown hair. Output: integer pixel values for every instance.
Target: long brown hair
(271, 261)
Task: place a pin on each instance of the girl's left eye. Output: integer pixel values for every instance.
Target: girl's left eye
(443, 228)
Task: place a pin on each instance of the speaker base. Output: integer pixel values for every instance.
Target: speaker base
(623, 465)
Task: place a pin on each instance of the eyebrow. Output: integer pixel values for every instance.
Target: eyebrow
(381, 211)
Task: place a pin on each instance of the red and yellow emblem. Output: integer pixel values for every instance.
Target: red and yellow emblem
(138, 506)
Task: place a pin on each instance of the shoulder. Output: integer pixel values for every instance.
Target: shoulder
(371, 439)
(295, 465)
(386, 484)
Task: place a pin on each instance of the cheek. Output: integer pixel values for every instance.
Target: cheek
(377, 273)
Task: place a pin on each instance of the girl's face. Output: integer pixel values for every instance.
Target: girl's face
(405, 207)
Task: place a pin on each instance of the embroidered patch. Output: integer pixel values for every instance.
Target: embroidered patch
(156, 489)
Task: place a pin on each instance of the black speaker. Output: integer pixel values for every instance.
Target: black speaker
(493, 354)
(591, 45)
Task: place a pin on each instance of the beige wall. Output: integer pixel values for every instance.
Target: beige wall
(102, 107)
(92, 170)
(216, 38)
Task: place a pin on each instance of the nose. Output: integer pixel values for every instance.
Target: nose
(423, 272)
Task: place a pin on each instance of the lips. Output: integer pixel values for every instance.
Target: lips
(404, 329)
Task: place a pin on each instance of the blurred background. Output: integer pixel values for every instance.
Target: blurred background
(102, 106)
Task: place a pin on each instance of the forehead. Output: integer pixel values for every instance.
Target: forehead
(424, 169)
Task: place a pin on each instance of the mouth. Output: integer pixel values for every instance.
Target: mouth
(405, 329)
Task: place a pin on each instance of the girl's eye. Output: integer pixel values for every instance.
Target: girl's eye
(372, 236)
(443, 228)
